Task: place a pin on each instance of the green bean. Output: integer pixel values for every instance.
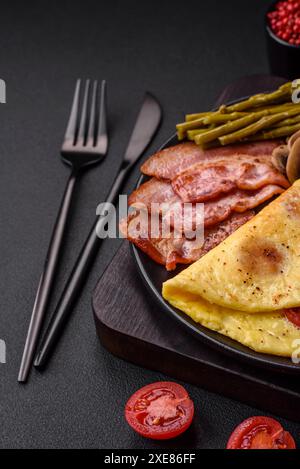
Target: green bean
(191, 134)
(287, 86)
(228, 128)
(262, 99)
(192, 117)
(182, 128)
(231, 117)
(263, 123)
(219, 118)
(290, 121)
(273, 109)
(275, 133)
(180, 135)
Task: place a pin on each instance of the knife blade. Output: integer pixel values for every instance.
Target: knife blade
(146, 125)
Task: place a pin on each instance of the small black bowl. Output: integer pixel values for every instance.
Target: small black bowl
(284, 58)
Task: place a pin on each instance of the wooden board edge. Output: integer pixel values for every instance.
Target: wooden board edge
(231, 385)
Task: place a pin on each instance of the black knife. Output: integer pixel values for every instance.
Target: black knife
(145, 128)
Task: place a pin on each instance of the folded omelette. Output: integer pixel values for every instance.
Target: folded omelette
(242, 287)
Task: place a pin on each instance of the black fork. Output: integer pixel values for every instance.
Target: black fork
(85, 143)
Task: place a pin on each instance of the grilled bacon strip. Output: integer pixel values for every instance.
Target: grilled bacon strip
(231, 181)
(206, 181)
(171, 251)
(170, 162)
(215, 210)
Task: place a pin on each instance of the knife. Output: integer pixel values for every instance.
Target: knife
(145, 128)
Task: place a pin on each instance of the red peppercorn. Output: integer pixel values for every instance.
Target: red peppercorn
(284, 21)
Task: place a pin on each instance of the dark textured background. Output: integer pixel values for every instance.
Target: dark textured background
(185, 52)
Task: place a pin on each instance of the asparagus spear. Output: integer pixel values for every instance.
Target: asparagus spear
(263, 123)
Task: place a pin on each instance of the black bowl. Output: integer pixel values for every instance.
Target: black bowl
(284, 58)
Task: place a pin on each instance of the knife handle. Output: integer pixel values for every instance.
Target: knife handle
(46, 280)
(76, 280)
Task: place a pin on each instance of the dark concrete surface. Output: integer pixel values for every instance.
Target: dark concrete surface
(183, 52)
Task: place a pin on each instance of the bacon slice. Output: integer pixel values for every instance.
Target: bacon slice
(205, 181)
(231, 181)
(216, 234)
(172, 251)
(153, 191)
(218, 210)
(170, 162)
(161, 192)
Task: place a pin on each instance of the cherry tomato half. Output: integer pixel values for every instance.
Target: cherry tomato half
(160, 410)
(293, 315)
(260, 433)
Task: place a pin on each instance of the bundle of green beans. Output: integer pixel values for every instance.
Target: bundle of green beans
(260, 117)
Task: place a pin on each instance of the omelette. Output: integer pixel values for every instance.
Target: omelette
(244, 287)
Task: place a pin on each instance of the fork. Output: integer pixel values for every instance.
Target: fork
(85, 144)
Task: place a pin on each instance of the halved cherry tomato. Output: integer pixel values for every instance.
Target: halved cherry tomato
(160, 410)
(260, 433)
(293, 315)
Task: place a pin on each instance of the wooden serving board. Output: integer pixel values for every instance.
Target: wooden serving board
(132, 326)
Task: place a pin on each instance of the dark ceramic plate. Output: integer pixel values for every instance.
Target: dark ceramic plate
(154, 275)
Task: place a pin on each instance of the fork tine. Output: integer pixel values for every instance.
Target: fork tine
(101, 138)
(93, 115)
(84, 113)
(72, 124)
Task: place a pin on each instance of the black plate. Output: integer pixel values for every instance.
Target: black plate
(154, 275)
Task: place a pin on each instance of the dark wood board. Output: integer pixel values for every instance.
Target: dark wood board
(131, 325)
